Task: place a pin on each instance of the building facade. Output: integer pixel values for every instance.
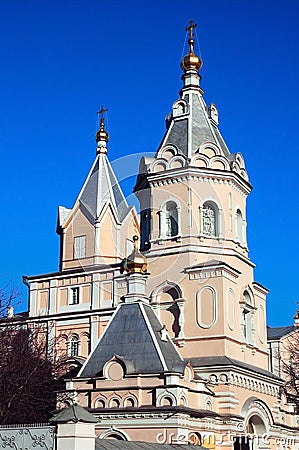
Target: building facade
(173, 340)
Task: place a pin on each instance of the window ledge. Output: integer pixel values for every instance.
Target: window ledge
(160, 240)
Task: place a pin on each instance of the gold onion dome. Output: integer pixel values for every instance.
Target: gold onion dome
(296, 316)
(102, 134)
(191, 61)
(135, 262)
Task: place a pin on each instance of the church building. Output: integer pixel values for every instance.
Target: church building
(161, 309)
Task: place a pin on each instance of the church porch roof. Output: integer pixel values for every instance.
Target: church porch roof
(133, 337)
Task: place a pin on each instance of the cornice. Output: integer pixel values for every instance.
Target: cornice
(190, 173)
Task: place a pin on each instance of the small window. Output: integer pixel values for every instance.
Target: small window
(247, 325)
(74, 346)
(239, 226)
(79, 247)
(169, 220)
(145, 229)
(74, 300)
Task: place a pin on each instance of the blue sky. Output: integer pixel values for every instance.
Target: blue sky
(62, 59)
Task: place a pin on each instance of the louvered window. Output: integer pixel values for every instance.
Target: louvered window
(79, 247)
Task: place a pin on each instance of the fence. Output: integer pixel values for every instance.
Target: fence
(27, 437)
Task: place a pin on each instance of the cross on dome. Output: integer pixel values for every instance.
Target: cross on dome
(102, 136)
(191, 61)
(191, 27)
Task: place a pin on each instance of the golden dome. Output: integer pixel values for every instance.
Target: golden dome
(296, 316)
(191, 61)
(102, 134)
(135, 262)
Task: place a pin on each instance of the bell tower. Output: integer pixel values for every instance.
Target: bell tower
(192, 198)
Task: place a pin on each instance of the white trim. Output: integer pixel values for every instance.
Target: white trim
(166, 394)
(153, 337)
(116, 431)
(198, 304)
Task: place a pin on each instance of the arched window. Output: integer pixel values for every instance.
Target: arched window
(74, 346)
(247, 324)
(239, 226)
(209, 218)
(145, 229)
(209, 405)
(169, 220)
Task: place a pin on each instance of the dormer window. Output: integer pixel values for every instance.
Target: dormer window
(179, 108)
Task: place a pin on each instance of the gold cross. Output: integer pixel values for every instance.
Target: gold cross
(102, 111)
(191, 28)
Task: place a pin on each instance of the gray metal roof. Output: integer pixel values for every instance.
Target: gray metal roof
(74, 413)
(279, 332)
(208, 361)
(202, 129)
(99, 189)
(102, 187)
(113, 444)
(133, 336)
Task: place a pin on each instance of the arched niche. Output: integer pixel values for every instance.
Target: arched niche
(169, 219)
(210, 219)
(206, 307)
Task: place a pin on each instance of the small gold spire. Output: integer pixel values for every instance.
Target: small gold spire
(135, 262)
(102, 135)
(191, 61)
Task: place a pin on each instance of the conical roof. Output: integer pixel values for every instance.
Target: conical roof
(100, 188)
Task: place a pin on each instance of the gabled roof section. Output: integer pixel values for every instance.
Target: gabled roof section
(100, 188)
(279, 332)
(133, 336)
